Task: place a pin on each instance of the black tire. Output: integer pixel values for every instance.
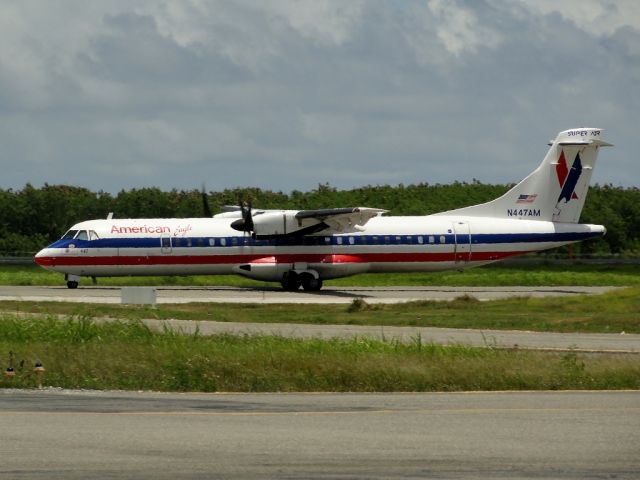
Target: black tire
(72, 284)
(290, 281)
(310, 283)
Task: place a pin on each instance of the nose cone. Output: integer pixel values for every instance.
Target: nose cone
(43, 258)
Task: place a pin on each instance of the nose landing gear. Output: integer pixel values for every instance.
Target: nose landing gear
(72, 280)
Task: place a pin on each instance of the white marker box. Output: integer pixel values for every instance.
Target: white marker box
(138, 295)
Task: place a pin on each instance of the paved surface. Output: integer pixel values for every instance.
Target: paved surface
(276, 295)
(616, 342)
(84, 435)
(599, 342)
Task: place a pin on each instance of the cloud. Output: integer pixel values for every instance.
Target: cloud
(285, 95)
(459, 28)
(596, 17)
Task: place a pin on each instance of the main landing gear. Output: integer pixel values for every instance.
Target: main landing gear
(72, 284)
(292, 281)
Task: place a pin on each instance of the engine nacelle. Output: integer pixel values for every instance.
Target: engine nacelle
(280, 223)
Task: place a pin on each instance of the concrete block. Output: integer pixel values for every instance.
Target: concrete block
(138, 295)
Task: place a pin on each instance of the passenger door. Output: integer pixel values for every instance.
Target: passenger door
(463, 242)
(165, 244)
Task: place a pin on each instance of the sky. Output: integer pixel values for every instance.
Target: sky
(286, 95)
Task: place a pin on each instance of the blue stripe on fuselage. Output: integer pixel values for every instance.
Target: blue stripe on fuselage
(358, 240)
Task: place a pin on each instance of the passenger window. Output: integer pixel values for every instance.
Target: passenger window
(234, 241)
(339, 240)
(420, 239)
(188, 242)
(443, 239)
(212, 242)
(223, 241)
(351, 240)
(176, 242)
(165, 242)
(432, 239)
(82, 235)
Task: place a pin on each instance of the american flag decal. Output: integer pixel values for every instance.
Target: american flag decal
(526, 198)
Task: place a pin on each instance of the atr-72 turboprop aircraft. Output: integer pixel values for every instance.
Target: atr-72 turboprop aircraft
(305, 247)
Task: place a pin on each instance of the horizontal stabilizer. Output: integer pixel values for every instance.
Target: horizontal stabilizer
(599, 143)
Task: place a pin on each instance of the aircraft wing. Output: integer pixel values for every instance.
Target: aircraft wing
(340, 220)
(283, 223)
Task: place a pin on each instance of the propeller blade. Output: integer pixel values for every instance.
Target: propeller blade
(245, 223)
(248, 219)
(206, 211)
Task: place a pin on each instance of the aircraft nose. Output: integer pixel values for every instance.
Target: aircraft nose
(42, 258)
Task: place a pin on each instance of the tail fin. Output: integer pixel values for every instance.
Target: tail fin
(557, 189)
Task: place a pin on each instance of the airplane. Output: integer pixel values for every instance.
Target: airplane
(303, 248)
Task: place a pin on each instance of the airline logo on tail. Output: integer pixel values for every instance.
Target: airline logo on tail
(568, 179)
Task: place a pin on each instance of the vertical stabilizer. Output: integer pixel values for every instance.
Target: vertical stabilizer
(557, 189)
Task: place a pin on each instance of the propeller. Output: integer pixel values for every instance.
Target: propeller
(244, 224)
(206, 211)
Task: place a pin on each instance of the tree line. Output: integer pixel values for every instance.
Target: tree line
(33, 217)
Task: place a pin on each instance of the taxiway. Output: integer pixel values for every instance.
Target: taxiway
(58, 434)
(101, 294)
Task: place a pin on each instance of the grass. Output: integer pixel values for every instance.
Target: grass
(80, 353)
(614, 312)
(492, 275)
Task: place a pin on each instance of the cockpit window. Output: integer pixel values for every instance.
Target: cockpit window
(82, 235)
(70, 234)
(93, 235)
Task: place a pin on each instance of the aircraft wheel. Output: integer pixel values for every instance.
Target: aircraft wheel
(311, 283)
(72, 284)
(290, 281)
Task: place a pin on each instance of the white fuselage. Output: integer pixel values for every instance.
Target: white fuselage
(386, 244)
(303, 247)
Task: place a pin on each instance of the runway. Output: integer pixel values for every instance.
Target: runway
(57, 434)
(98, 294)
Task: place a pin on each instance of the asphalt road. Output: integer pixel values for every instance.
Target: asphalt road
(55, 434)
(276, 295)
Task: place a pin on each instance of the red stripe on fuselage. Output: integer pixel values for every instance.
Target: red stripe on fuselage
(287, 258)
